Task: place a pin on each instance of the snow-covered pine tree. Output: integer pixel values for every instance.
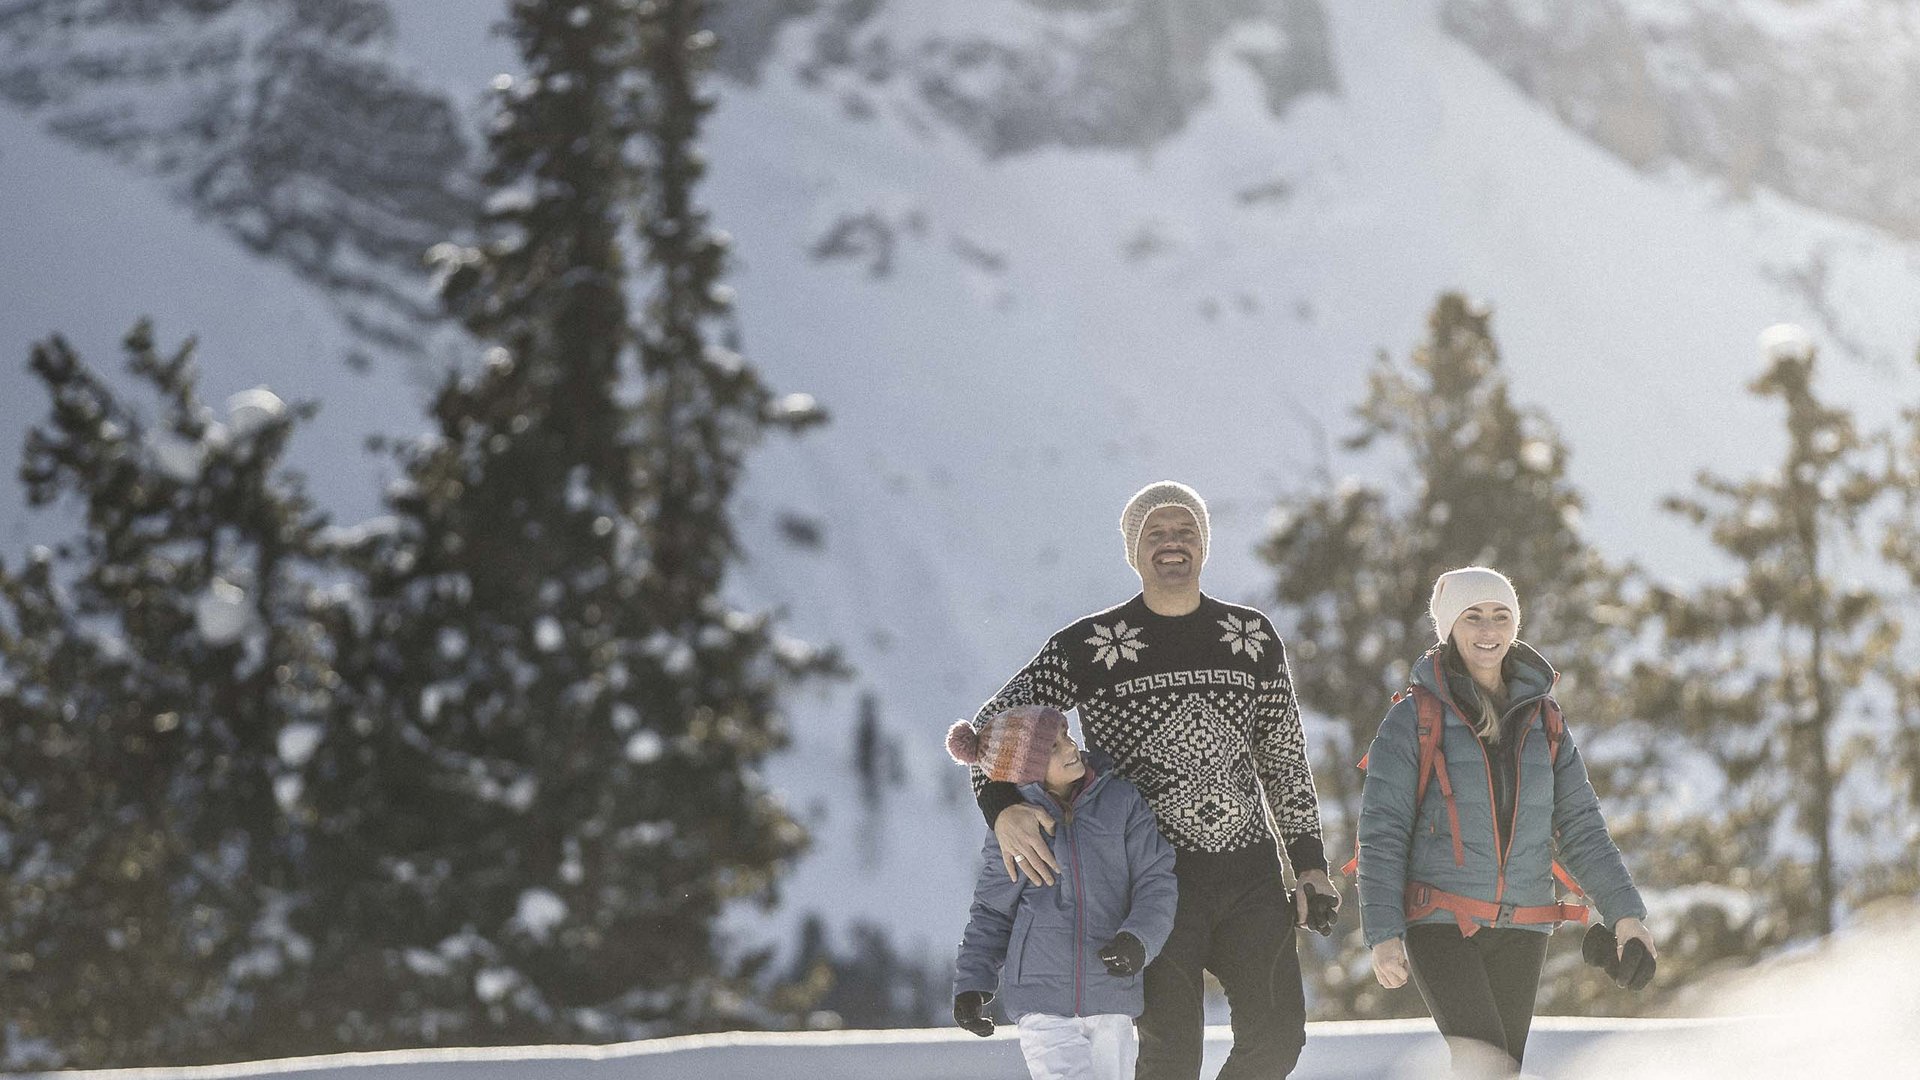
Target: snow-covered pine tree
(1897, 763)
(1762, 673)
(703, 410)
(167, 681)
(1484, 483)
(549, 610)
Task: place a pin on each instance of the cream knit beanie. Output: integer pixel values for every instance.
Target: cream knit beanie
(1457, 590)
(1153, 497)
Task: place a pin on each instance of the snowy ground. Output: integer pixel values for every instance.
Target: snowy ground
(1842, 1008)
(1335, 1051)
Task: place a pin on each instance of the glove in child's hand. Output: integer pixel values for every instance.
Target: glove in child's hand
(1124, 955)
(967, 1006)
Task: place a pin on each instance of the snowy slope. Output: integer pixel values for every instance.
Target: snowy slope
(1011, 342)
(90, 248)
(1735, 1029)
(991, 422)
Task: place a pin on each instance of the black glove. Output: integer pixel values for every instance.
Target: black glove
(1635, 969)
(967, 1013)
(1599, 948)
(1323, 909)
(1630, 968)
(1124, 955)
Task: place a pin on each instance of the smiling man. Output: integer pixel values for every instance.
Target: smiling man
(1192, 699)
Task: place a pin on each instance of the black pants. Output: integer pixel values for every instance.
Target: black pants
(1232, 920)
(1480, 990)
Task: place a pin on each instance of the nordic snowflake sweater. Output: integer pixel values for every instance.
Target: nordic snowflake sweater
(1197, 711)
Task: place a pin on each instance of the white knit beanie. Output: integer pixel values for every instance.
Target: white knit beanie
(1457, 590)
(1154, 496)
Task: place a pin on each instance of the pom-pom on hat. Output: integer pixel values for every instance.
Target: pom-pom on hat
(1457, 590)
(1014, 745)
(1154, 496)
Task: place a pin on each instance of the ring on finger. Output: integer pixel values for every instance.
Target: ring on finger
(1019, 858)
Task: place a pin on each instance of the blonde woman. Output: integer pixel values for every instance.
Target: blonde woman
(1474, 788)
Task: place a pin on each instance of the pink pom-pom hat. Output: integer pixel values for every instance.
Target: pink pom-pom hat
(1014, 745)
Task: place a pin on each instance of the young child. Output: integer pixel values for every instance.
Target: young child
(1066, 959)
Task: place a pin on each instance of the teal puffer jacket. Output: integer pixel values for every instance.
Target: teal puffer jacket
(1556, 813)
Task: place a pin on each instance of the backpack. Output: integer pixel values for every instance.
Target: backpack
(1431, 717)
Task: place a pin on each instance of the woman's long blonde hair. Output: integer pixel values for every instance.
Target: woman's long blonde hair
(1483, 709)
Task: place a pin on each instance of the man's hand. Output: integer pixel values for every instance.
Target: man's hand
(1390, 963)
(1022, 847)
(1124, 955)
(968, 1012)
(1316, 903)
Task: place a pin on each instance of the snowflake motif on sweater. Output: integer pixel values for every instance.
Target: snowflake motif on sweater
(1204, 723)
(1113, 644)
(1244, 635)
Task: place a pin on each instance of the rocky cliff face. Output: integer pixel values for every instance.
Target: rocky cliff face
(286, 122)
(292, 125)
(1814, 101)
(1021, 75)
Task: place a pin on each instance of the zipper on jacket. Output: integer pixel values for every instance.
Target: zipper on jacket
(1079, 891)
(1080, 904)
(1493, 803)
(1519, 762)
(1513, 817)
(1079, 923)
(1079, 896)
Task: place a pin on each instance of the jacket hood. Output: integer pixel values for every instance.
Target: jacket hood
(1528, 673)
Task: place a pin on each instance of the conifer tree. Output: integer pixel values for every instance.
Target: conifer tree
(1484, 483)
(1762, 672)
(167, 683)
(1896, 762)
(549, 611)
(703, 408)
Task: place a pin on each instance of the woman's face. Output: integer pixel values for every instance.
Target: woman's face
(1065, 766)
(1483, 634)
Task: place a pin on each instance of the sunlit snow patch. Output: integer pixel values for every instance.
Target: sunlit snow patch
(1843, 1008)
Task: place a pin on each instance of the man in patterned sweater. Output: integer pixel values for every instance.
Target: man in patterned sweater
(1192, 699)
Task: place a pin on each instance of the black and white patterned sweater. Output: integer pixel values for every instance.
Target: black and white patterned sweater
(1196, 710)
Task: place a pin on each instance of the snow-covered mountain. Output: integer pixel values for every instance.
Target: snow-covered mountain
(1814, 101)
(286, 123)
(1033, 254)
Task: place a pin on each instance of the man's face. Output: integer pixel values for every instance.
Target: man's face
(1169, 551)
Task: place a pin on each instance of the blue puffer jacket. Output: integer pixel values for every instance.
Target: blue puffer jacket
(1038, 946)
(1555, 813)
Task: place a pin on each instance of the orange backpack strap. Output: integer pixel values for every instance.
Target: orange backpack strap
(1430, 722)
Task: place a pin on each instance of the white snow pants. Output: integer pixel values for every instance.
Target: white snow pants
(1078, 1047)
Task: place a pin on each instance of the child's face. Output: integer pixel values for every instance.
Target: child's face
(1065, 766)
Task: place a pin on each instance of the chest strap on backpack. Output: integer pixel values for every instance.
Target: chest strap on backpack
(1423, 899)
